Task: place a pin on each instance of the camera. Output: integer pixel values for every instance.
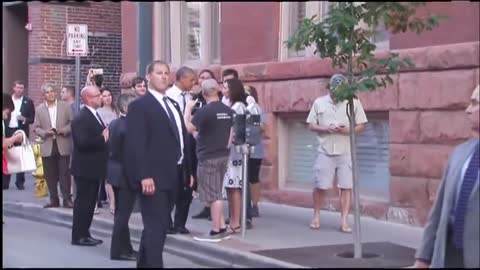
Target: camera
(97, 71)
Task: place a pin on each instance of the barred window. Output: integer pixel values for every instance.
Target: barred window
(297, 14)
(193, 30)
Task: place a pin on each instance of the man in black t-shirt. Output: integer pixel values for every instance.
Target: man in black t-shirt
(211, 125)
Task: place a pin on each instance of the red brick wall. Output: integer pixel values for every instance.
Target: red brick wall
(47, 43)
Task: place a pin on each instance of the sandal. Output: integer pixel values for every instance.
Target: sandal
(315, 225)
(232, 230)
(112, 211)
(346, 229)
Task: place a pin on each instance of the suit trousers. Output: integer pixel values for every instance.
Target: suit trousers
(182, 200)
(155, 215)
(124, 201)
(84, 206)
(453, 256)
(56, 170)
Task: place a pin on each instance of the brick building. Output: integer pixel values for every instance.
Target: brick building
(413, 125)
(39, 56)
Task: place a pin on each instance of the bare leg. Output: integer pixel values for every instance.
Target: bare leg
(345, 199)
(318, 196)
(216, 211)
(110, 196)
(236, 196)
(255, 191)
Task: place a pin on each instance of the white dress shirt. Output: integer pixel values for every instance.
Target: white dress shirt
(94, 113)
(16, 112)
(159, 96)
(52, 111)
(177, 94)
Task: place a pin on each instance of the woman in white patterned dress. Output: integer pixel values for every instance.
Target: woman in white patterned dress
(233, 178)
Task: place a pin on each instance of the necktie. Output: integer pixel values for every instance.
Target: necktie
(471, 176)
(99, 118)
(173, 123)
(184, 102)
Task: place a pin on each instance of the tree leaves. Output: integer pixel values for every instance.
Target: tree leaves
(338, 37)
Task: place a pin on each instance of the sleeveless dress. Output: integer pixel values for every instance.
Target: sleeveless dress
(233, 176)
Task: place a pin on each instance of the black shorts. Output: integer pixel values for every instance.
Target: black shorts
(254, 165)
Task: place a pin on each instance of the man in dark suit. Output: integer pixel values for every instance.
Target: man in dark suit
(21, 118)
(154, 144)
(121, 246)
(89, 164)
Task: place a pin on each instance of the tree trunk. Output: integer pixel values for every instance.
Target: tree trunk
(357, 246)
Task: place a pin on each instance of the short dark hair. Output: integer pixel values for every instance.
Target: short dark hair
(230, 71)
(7, 102)
(70, 89)
(253, 92)
(182, 72)
(209, 72)
(152, 65)
(237, 91)
(137, 80)
(17, 82)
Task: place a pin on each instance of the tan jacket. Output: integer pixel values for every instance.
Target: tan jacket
(43, 124)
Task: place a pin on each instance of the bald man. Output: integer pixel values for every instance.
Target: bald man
(89, 164)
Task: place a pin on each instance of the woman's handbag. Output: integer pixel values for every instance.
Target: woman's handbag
(21, 158)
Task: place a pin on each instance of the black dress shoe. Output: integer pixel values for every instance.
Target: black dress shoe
(98, 241)
(182, 230)
(84, 242)
(20, 186)
(134, 253)
(125, 257)
(172, 231)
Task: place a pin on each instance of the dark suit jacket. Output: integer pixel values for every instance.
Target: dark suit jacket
(116, 175)
(151, 148)
(90, 152)
(27, 109)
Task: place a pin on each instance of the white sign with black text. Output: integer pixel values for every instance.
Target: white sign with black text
(77, 40)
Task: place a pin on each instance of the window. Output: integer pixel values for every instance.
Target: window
(297, 14)
(193, 31)
(187, 33)
(292, 13)
(298, 152)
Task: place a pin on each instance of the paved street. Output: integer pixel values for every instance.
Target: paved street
(29, 244)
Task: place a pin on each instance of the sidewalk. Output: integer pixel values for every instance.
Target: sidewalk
(278, 227)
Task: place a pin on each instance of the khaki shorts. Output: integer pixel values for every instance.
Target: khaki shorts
(325, 168)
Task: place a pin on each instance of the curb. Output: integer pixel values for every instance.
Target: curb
(202, 253)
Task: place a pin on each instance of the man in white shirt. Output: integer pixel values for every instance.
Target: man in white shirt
(328, 119)
(186, 78)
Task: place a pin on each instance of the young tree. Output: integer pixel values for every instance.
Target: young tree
(345, 36)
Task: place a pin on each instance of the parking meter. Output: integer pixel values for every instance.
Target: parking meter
(253, 131)
(239, 123)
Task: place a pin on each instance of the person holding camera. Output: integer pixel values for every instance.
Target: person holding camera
(52, 125)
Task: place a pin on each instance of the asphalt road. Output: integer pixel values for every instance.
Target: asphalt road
(28, 244)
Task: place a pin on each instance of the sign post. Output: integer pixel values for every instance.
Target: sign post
(77, 45)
